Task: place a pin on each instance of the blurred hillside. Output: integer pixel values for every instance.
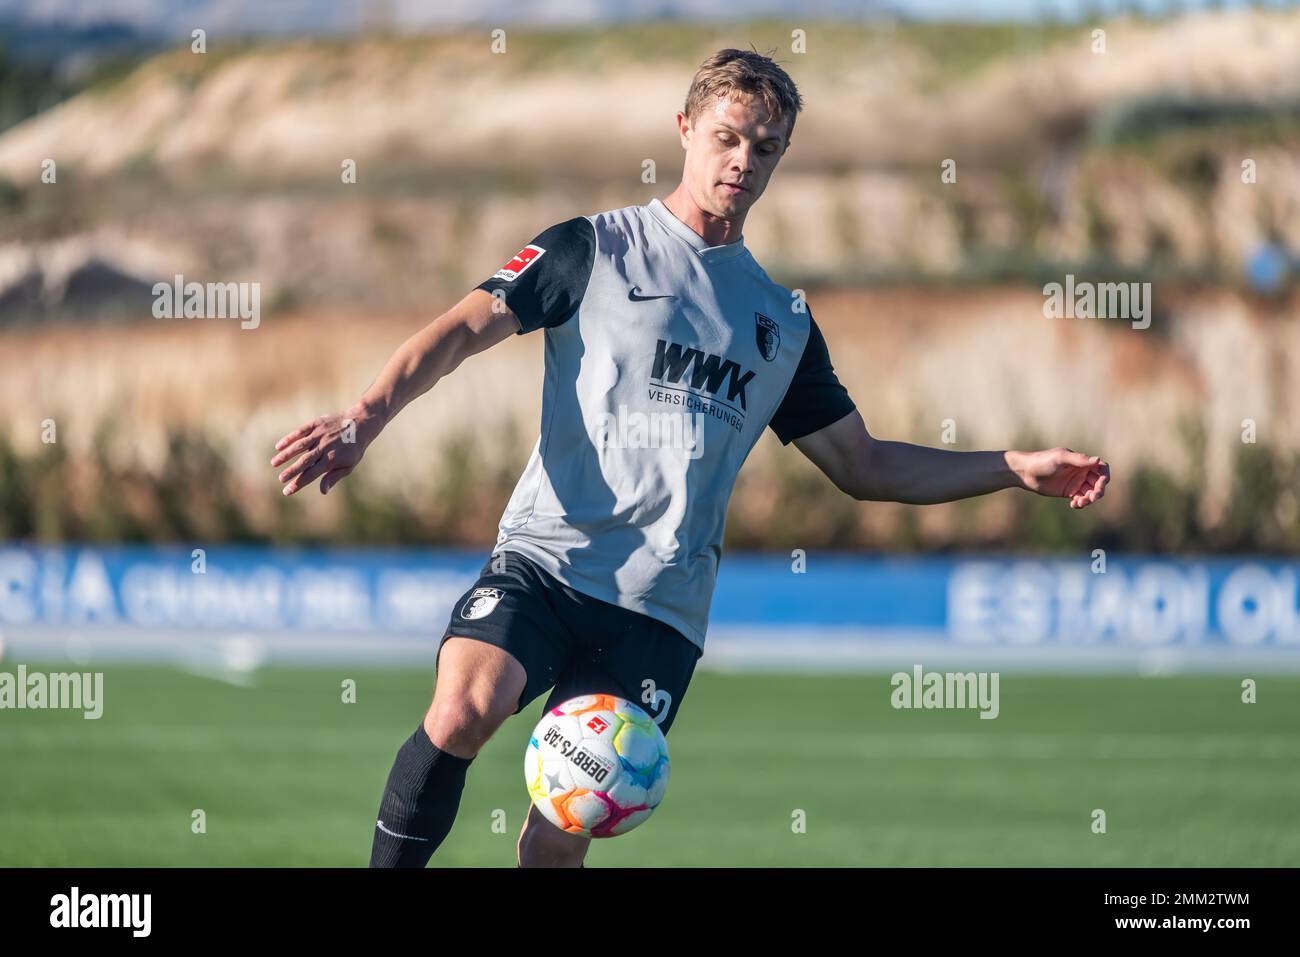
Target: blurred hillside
(229, 163)
(226, 166)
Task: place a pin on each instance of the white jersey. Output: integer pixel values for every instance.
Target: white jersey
(666, 358)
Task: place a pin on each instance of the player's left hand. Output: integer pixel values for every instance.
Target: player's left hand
(1063, 473)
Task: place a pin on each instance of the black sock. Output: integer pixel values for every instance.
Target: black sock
(420, 802)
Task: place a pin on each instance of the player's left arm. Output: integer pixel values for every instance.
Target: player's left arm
(819, 417)
(871, 469)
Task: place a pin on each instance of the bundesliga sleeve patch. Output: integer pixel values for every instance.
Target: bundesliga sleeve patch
(519, 265)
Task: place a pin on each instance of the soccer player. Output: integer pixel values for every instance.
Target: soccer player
(668, 352)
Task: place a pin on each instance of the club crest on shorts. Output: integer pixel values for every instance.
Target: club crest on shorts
(480, 603)
(768, 334)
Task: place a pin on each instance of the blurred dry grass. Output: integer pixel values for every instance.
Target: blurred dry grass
(1169, 402)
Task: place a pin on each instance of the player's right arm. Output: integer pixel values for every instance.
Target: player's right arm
(332, 445)
(539, 288)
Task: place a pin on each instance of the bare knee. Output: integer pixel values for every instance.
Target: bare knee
(542, 844)
(478, 689)
(460, 721)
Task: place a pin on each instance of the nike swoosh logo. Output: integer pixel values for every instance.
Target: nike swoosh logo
(633, 295)
(405, 837)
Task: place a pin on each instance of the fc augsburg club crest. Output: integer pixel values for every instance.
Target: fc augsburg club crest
(769, 336)
(480, 603)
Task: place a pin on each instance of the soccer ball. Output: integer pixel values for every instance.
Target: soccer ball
(597, 765)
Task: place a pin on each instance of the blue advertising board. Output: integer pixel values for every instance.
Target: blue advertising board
(805, 610)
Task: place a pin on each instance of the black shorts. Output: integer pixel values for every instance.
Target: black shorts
(573, 643)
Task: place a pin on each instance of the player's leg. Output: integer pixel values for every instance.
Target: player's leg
(499, 653)
(478, 687)
(542, 844)
(627, 654)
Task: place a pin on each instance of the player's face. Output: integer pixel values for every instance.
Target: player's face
(731, 151)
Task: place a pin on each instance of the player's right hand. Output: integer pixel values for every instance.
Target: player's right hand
(329, 446)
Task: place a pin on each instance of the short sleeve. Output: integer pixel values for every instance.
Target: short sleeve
(544, 283)
(815, 398)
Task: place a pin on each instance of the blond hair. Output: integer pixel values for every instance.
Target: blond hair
(745, 73)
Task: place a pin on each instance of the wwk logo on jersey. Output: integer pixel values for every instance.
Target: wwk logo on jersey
(707, 373)
(519, 265)
(480, 603)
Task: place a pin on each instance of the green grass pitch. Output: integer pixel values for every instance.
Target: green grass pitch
(288, 774)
